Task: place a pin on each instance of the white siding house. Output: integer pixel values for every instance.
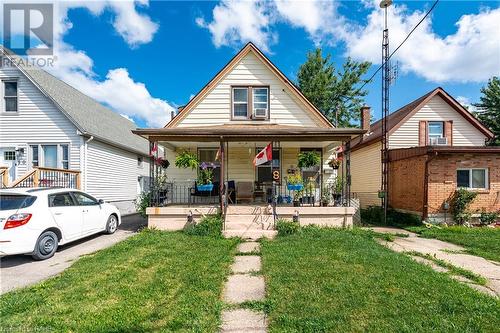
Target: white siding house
(46, 123)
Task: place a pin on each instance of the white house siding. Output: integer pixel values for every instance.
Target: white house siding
(37, 121)
(112, 174)
(464, 133)
(365, 174)
(215, 108)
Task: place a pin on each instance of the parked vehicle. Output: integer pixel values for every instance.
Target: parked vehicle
(37, 221)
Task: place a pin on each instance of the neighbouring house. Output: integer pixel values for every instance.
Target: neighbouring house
(435, 146)
(247, 105)
(51, 134)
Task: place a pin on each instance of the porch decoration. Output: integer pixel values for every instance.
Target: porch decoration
(265, 155)
(295, 183)
(205, 177)
(334, 163)
(186, 160)
(308, 159)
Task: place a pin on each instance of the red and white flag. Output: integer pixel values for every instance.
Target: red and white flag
(264, 155)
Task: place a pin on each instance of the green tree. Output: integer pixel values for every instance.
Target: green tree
(335, 93)
(489, 108)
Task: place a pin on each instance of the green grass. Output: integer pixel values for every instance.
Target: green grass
(483, 242)
(155, 281)
(343, 281)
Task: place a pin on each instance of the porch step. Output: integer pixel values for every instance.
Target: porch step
(249, 226)
(246, 209)
(249, 219)
(250, 234)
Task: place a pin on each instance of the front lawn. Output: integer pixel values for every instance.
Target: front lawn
(343, 281)
(155, 281)
(483, 242)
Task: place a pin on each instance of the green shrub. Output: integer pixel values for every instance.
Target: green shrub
(209, 225)
(487, 218)
(375, 215)
(460, 203)
(287, 227)
(142, 202)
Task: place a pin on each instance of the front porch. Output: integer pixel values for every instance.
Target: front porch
(251, 198)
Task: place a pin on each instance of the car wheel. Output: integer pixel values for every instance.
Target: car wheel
(112, 224)
(45, 246)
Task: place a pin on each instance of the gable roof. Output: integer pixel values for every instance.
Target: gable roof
(249, 47)
(90, 117)
(399, 117)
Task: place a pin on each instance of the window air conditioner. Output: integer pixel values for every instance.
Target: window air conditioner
(439, 141)
(260, 113)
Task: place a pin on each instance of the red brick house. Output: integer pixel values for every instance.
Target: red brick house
(435, 146)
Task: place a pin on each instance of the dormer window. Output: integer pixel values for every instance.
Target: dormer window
(436, 133)
(250, 102)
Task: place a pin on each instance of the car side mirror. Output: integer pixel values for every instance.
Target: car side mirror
(100, 201)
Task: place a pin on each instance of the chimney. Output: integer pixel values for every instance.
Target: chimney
(365, 118)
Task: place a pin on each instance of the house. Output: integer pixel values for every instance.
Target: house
(435, 146)
(51, 134)
(247, 105)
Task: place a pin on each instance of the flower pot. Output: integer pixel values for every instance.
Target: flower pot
(205, 188)
(335, 167)
(296, 203)
(295, 187)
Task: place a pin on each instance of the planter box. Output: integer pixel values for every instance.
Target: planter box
(295, 187)
(205, 188)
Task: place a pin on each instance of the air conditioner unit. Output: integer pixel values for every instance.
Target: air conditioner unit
(260, 113)
(439, 141)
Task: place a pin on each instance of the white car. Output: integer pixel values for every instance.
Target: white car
(36, 221)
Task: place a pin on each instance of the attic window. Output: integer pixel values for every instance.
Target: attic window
(10, 96)
(250, 102)
(240, 103)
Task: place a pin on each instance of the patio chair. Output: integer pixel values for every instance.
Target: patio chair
(244, 191)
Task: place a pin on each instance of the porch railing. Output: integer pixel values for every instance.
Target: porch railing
(49, 177)
(4, 174)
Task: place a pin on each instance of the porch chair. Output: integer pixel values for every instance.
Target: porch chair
(244, 191)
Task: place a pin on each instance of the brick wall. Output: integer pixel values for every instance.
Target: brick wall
(442, 179)
(406, 183)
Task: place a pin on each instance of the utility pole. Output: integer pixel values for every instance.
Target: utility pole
(386, 81)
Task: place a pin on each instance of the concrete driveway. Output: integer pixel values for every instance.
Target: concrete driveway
(20, 271)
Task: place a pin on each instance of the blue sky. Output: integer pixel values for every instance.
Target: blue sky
(159, 54)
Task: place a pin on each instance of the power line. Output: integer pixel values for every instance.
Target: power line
(401, 44)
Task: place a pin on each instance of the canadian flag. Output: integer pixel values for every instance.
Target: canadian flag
(264, 155)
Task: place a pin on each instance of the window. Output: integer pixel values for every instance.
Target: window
(61, 200)
(472, 178)
(64, 156)
(436, 130)
(209, 155)
(260, 102)
(9, 155)
(83, 199)
(50, 155)
(34, 155)
(240, 103)
(10, 96)
(264, 172)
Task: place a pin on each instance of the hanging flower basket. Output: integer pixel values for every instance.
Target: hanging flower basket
(335, 163)
(205, 188)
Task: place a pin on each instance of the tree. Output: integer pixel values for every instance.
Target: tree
(489, 108)
(335, 93)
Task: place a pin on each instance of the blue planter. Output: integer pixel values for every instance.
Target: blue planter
(205, 188)
(295, 187)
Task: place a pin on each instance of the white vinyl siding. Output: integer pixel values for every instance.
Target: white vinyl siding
(464, 133)
(37, 121)
(112, 173)
(215, 108)
(366, 173)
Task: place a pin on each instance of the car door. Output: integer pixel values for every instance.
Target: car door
(93, 215)
(67, 215)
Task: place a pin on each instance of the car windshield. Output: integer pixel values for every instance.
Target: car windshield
(15, 201)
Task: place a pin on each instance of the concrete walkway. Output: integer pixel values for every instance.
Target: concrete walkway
(245, 284)
(448, 252)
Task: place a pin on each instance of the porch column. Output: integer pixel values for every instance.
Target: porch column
(348, 171)
(222, 198)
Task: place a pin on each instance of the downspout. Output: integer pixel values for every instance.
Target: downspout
(425, 205)
(85, 162)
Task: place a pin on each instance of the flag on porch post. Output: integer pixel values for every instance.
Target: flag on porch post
(264, 155)
(218, 155)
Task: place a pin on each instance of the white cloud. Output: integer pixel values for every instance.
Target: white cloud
(118, 89)
(127, 117)
(465, 101)
(240, 21)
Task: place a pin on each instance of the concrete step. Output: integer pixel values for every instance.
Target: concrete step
(250, 234)
(249, 218)
(249, 226)
(246, 209)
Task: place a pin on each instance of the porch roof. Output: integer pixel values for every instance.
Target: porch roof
(244, 132)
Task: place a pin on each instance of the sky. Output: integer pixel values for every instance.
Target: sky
(143, 58)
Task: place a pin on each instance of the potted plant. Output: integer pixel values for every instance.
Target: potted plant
(326, 197)
(334, 163)
(294, 182)
(309, 188)
(205, 177)
(338, 186)
(308, 159)
(186, 159)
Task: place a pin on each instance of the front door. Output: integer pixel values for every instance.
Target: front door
(8, 159)
(68, 216)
